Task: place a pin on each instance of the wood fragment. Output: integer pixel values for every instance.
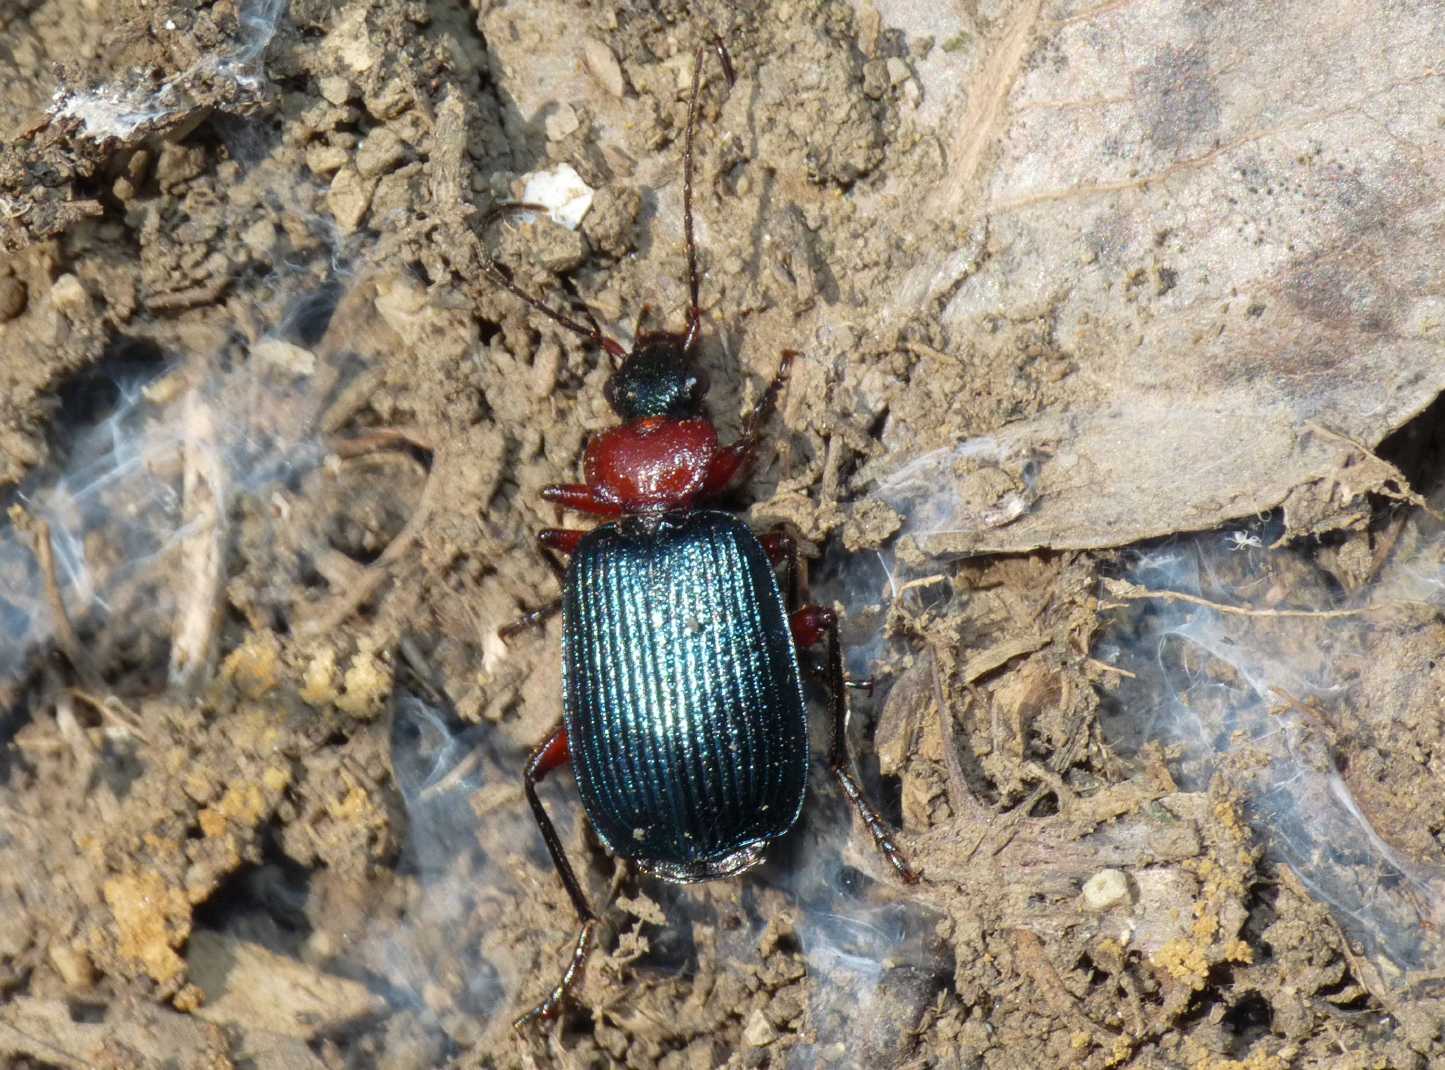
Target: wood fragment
(54, 598)
(201, 571)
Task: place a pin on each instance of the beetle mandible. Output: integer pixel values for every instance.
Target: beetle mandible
(683, 708)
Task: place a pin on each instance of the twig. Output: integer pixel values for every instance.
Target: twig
(113, 709)
(1133, 592)
(45, 556)
(202, 571)
(385, 438)
(1104, 666)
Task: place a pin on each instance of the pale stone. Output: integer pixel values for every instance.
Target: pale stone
(1106, 889)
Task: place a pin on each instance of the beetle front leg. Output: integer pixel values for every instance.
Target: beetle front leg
(552, 753)
(550, 541)
(730, 461)
(811, 624)
(581, 498)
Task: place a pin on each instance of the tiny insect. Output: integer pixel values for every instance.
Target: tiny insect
(1243, 540)
(683, 712)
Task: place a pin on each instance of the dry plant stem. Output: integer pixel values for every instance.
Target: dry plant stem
(1104, 666)
(112, 709)
(202, 571)
(1036, 965)
(1385, 546)
(387, 438)
(1132, 592)
(64, 630)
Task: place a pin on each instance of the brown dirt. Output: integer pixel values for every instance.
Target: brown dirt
(258, 837)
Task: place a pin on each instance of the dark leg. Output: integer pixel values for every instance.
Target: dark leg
(548, 756)
(550, 541)
(813, 623)
(729, 461)
(694, 287)
(502, 277)
(782, 549)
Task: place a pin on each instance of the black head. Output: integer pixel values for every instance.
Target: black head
(657, 378)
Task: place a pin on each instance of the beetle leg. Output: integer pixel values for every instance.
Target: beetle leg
(550, 540)
(581, 498)
(548, 756)
(728, 462)
(815, 623)
(782, 549)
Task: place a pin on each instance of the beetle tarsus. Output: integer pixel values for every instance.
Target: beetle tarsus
(533, 618)
(552, 1006)
(840, 763)
(549, 754)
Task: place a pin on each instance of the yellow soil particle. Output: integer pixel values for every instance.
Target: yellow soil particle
(353, 805)
(255, 666)
(1122, 1051)
(246, 805)
(151, 921)
(1205, 925)
(368, 686)
(1255, 1061)
(318, 688)
(189, 999)
(1185, 962)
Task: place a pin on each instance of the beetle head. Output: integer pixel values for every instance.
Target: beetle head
(657, 378)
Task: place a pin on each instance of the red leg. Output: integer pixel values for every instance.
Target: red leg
(810, 624)
(551, 754)
(561, 540)
(580, 498)
(556, 540)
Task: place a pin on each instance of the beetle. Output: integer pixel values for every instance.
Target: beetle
(683, 710)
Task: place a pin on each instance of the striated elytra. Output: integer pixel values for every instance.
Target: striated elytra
(683, 712)
(681, 693)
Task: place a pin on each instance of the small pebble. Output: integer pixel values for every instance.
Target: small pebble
(336, 89)
(1106, 889)
(284, 357)
(68, 296)
(759, 1032)
(260, 238)
(604, 66)
(380, 152)
(561, 122)
(73, 965)
(349, 198)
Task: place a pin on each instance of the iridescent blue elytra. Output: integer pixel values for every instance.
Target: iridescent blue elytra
(681, 694)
